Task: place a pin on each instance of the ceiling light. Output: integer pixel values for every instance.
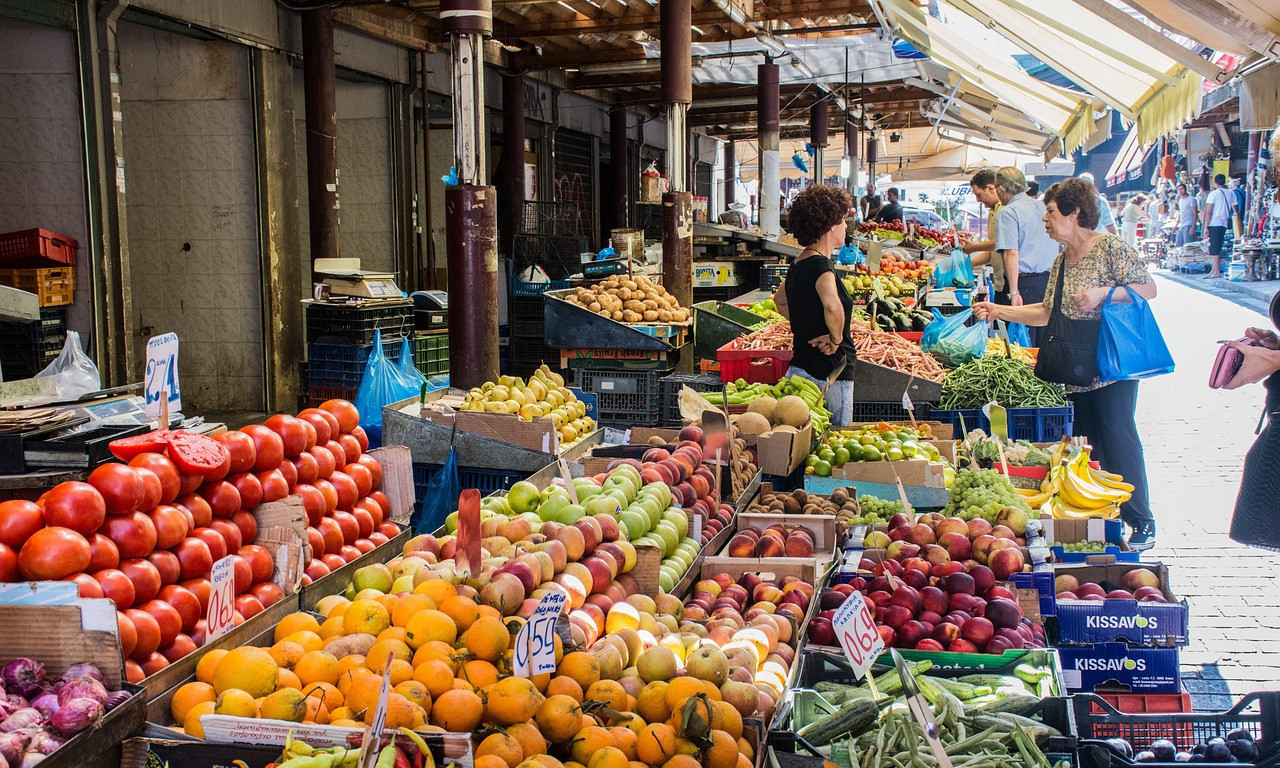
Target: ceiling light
(801, 67)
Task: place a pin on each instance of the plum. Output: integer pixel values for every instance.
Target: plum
(1121, 747)
(1182, 757)
(1244, 750)
(1217, 752)
(1164, 750)
(1145, 756)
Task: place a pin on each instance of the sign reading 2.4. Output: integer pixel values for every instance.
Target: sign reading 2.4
(161, 377)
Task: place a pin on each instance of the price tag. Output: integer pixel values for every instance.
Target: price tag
(371, 746)
(857, 633)
(696, 535)
(568, 480)
(161, 377)
(535, 649)
(222, 598)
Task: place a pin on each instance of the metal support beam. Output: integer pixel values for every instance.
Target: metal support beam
(621, 167)
(730, 174)
(818, 119)
(851, 138)
(319, 85)
(677, 94)
(770, 184)
(514, 193)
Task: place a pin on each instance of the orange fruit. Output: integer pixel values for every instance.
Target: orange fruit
(191, 723)
(285, 704)
(286, 653)
(428, 625)
(625, 739)
(682, 761)
(382, 650)
(437, 650)
(310, 641)
(332, 627)
(236, 703)
(249, 669)
(208, 663)
(512, 700)
(438, 590)
(566, 686)
(188, 696)
(679, 689)
(436, 675)
(745, 748)
(288, 680)
(582, 667)
(457, 711)
(295, 622)
(348, 678)
(415, 692)
(400, 712)
(490, 761)
(407, 606)
(400, 671)
(504, 745)
(479, 673)
(609, 757)
(610, 692)
(530, 738)
(363, 692)
(711, 690)
(558, 718)
(326, 693)
(391, 633)
(487, 639)
(657, 744)
(317, 667)
(723, 752)
(365, 617)
(463, 611)
(589, 741)
(317, 712)
(726, 717)
(544, 761)
(652, 702)
(348, 663)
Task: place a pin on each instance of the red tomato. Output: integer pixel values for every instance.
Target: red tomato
(230, 533)
(167, 617)
(346, 489)
(330, 494)
(311, 433)
(248, 606)
(334, 561)
(383, 502)
(86, 585)
(128, 635)
(349, 525)
(259, 560)
(389, 529)
(195, 454)
(185, 603)
(345, 411)
(201, 512)
(378, 538)
(153, 663)
(316, 539)
(350, 448)
(243, 573)
(365, 546)
(362, 477)
(305, 581)
(370, 506)
(267, 593)
(267, 444)
(189, 483)
(217, 544)
(289, 471)
(187, 517)
(316, 569)
(168, 565)
(325, 424)
(75, 505)
(240, 446)
(18, 520)
(163, 469)
(133, 672)
(332, 532)
(250, 488)
(116, 587)
(197, 634)
(363, 439)
(363, 518)
(148, 630)
(121, 487)
(103, 553)
(195, 557)
(53, 553)
(134, 534)
(292, 434)
(339, 453)
(181, 646)
(324, 462)
(274, 485)
(201, 589)
(349, 553)
(145, 577)
(247, 523)
(306, 468)
(374, 467)
(126, 448)
(313, 502)
(224, 497)
(152, 490)
(171, 525)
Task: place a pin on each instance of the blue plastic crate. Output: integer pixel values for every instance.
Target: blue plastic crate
(1036, 425)
(486, 481)
(522, 289)
(1041, 582)
(973, 418)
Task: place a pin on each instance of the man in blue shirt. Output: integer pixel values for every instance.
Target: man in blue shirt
(1022, 242)
(1106, 219)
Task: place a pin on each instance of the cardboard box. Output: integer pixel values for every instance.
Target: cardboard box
(779, 453)
(536, 435)
(716, 274)
(823, 527)
(1075, 530)
(1133, 621)
(1117, 666)
(912, 472)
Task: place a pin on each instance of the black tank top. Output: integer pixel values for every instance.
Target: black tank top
(808, 322)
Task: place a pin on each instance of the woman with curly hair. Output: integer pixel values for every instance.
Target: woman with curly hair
(816, 302)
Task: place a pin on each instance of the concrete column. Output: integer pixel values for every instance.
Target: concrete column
(677, 94)
(851, 153)
(470, 206)
(322, 131)
(621, 202)
(770, 181)
(730, 175)
(818, 116)
(514, 193)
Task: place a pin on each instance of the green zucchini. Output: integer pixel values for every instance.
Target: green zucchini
(852, 719)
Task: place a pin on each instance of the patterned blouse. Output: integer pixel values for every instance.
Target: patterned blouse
(1109, 263)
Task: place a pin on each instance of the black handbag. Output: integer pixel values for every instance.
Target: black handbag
(1069, 352)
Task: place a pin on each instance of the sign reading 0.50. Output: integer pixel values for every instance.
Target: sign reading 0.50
(161, 376)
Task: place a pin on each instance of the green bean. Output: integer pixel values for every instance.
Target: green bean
(1009, 382)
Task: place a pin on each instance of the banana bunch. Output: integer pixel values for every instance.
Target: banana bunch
(1074, 489)
(298, 754)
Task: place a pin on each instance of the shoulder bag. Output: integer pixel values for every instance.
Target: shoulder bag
(1069, 354)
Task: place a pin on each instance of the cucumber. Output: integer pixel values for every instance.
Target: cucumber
(851, 720)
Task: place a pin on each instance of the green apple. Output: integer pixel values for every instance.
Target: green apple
(451, 522)
(570, 514)
(666, 582)
(619, 494)
(523, 497)
(496, 505)
(636, 523)
(402, 584)
(660, 491)
(602, 505)
(549, 509)
(670, 537)
(679, 519)
(376, 576)
(553, 490)
(534, 520)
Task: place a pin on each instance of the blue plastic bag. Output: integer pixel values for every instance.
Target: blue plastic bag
(406, 365)
(1130, 345)
(1018, 334)
(381, 384)
(440, 499)
(954, 271)
(849, 255)
(933, 329)
(954, 343)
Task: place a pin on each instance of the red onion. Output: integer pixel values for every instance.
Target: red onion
(84, 669)
(13, 744)
(46, 704)
(76, 716)
(82, 688)
(116, 698)
(24, 676)
(44, 742)
(15, 702)
(22, 719)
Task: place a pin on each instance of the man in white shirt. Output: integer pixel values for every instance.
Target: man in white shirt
(1218, 208)
(1186, 217)
(1023, 242)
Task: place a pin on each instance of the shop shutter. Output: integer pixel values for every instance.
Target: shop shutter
(575, 177)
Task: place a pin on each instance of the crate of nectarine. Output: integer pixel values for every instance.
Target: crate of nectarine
(1132, 602)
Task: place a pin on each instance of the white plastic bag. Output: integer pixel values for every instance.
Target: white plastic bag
(73, 372)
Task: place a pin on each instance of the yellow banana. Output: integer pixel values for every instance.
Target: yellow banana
(1037, 499)
(1088, 479)
(1062, 509)
(1078, 494)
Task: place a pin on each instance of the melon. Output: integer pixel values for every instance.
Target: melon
(793, 411)
(764, 406)
(753, 423)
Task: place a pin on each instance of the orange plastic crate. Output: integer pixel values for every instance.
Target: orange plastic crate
(53, 286)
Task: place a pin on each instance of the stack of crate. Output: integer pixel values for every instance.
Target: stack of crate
(431, 341)
(43, 263)
(340, 339)
(26, 348)
(527, 329)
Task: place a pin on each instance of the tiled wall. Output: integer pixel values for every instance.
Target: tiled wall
(192, 210)
(364, 173)
(42, 173)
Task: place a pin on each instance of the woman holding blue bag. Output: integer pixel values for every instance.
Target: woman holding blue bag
(1095, 268)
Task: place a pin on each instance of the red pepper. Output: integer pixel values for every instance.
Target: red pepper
(402, 760)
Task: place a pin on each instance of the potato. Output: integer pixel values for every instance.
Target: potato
(617, 316)
(351, 645)
(594, 306)
(650, 315)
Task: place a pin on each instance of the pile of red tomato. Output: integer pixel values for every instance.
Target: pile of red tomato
(146, 534)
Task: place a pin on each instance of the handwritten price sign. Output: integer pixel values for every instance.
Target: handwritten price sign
(222, 598)
(161, 377)
(857, 633)
(535, 651)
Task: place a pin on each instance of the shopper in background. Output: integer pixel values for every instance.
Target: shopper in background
(1033, 189)
(1129, 219)
(813, 298)
(1254, 521)
(983, 185)
(1091, 264)
(1154, 200)
(1241, 203)
(870, 202)
(1217, 217)
(1186, 217)
(1106, 219)
(1022, 243)
(891, 210)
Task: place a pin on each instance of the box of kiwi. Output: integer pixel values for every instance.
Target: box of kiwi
(841, 505)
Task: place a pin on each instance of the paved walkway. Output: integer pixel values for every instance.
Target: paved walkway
(1249, 295)
(1195, 439)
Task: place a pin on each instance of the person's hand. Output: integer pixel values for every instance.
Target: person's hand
(1264, 337)
(986, 310)
(1088, 300)
(1015, 300)
(825, 345)
(1259, 363)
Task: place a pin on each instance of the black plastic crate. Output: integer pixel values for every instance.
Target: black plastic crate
(431, 319)
(486, 481)
(317, 395)
(622, 392)
(357, 323)
(528, 356)
(335, 363)
(525, 318)
(669, 392)
(1256, 713)
(771, 276)
(557, 255)
(51, 318)
(888, 412)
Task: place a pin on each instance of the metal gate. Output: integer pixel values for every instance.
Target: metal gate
(575, 181)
